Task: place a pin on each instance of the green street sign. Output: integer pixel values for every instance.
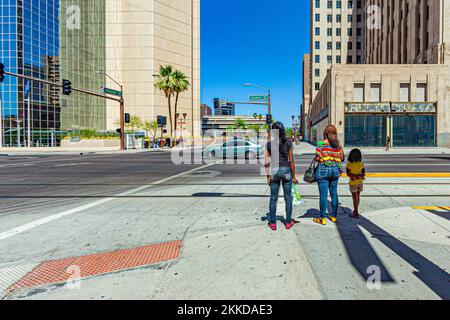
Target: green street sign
(258, 98)
(112, 92)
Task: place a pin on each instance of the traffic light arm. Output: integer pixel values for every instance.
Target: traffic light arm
(60, 85)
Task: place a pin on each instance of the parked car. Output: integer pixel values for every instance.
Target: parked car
(237, 148)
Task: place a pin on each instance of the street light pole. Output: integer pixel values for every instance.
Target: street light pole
(269, 98)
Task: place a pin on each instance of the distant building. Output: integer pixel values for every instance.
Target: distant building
(228, 110)
(306, 101)
(205, 110)
(222, 123)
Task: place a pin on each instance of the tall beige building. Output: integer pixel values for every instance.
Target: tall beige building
(306, 101)
(337, 37)
(407, 32)
(140, 37)
(401, 90)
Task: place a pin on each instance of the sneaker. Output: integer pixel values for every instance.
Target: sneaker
(290, 225)
(332, 219)
(321, 221)
(273, 226)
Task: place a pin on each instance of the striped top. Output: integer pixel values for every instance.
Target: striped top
(327, 155)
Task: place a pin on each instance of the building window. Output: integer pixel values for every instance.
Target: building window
(338, 45)
(338, 59)
(358, 45)
(339, 4)
(317, 31)
(317, 72)
(358, 18)
(359, 32)
(330, 45)
(338, 32)
(317, 17)
(317, 4)
(338, 18)
(350, 32)
(330, 4)
(317, 86)
(330, 32)
(358, 92)
(330, 18)
(329, 59)
(375, 92)
(405, 94)
(421, 92)
(350, 4)
(317, 46)
(350, 18)
(349, 59)
(350, 45)
(358, 59)
(317, 58)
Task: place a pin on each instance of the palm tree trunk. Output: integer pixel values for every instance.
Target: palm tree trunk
(170, 118)
(176, 110)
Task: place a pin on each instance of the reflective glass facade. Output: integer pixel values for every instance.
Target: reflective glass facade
(414, 130)
(51, 40)
(365, 130)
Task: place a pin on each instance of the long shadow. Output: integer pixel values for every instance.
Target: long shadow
(428, 272)
(359, 250)
(362, 255)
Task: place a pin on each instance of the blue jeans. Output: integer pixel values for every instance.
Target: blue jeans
(281, 176)
(328, 180)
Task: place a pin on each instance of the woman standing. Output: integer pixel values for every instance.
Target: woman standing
(280, 169)
(330, 156)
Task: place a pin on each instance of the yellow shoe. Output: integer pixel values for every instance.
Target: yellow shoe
(332, 219)
(321, 221)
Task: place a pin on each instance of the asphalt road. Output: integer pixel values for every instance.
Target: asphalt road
(37, 183)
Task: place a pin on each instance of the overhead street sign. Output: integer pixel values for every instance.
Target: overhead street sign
(112, 92)
(223, 103)
(258, 98)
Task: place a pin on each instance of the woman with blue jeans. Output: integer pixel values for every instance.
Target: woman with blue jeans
(280, 169)
(330, 156)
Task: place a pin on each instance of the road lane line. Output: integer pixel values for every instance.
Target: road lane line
(26, 227)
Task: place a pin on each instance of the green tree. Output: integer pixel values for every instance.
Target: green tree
(240, 124)
(165, 82)
(135, 123)
(181, 84)
(151, 127)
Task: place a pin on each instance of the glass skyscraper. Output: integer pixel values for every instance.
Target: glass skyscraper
(51, 40)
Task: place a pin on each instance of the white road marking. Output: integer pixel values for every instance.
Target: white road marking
(72, 164)
(40, 222)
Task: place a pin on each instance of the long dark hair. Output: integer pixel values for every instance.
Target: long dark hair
(282, 138)
(355, 156)
(330, 133)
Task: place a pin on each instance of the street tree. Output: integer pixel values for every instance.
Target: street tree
(181, 84)
(151, 127)
(165, 82)
(135, 123)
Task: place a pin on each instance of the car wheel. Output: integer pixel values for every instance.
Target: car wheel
(249, 155)
(212, 155)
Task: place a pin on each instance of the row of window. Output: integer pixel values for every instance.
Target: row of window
(339, 59)
(339, 18)
(318, 32)
(339, 4)
(339, 45)
(359, 94)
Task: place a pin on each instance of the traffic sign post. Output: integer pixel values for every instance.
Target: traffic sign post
(258, 98)
(113, 92)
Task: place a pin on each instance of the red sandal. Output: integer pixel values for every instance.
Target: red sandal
(290, 225)
(273, 226)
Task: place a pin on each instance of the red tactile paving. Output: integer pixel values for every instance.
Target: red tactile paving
(59, 271)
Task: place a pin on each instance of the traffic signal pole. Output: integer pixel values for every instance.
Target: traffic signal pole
(94, 94)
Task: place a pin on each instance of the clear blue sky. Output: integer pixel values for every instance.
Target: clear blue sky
(258, 41)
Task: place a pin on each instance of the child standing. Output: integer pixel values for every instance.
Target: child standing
(357, 174)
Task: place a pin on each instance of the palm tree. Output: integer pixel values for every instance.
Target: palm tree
(165, 82)
(181, 84)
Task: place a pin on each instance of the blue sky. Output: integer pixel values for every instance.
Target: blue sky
(257, 41)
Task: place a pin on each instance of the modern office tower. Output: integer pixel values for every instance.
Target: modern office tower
(144, 35)
(29, 45)
(337, 37)
(408, 32)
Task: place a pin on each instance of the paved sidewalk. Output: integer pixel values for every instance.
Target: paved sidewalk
(229, 253)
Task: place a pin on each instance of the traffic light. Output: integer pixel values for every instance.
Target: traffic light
(2, 72)
(162, 121)
(216, 103)
(118, 131)
(67, 87)
(127, 118)
(269, 119)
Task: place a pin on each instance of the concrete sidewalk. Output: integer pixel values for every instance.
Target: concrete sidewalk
(229, 253)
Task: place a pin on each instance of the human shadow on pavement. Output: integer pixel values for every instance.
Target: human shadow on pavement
(279, 218)
(358, 248)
